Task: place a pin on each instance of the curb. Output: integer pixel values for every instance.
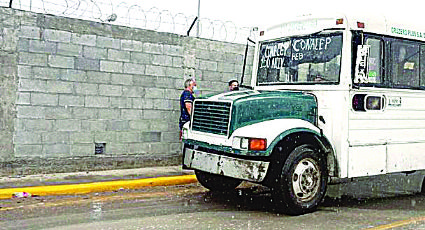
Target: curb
(85, 188)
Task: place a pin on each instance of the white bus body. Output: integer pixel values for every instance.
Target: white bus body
(373, 142)
(369, 87)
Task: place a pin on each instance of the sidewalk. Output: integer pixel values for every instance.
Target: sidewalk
(98, 181)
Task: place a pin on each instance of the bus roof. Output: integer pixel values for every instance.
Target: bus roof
(307, 24)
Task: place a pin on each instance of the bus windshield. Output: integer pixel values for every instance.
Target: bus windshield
(313, 59)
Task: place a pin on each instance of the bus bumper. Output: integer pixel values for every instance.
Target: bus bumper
(249, 170)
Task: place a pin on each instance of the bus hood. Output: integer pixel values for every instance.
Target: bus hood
(251, 106)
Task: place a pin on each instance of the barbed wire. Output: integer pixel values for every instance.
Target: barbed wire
(133, 15)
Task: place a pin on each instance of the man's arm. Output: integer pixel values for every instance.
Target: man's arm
(188, 107)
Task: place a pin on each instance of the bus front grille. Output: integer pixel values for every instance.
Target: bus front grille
(211, 117)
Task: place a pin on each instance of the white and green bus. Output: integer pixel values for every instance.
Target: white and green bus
(332, 98)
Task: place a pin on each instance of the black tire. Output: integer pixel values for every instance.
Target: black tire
(303, 181)
(217, 183)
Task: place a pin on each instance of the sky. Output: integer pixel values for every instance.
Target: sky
(250, 13)
(267, 12)
(242, 14)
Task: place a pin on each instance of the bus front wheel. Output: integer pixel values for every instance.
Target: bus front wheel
(303, 181)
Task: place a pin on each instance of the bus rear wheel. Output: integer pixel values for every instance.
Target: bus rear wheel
(216, 183)
(303, 181)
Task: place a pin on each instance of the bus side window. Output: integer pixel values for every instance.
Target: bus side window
(405, 65)
(375, 60)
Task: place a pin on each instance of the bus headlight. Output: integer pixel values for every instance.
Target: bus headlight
(249, 143)
(244, 143)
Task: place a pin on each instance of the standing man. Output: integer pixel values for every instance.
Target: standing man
(233, 85)
(186, 101)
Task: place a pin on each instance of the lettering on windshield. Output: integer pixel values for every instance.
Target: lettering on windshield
(273, 55)
(309, 44)
(277, 55)
(309, 59)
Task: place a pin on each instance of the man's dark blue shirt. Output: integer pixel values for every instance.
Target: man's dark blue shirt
(186, 96)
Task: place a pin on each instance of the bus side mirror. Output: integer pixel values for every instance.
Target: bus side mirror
(361, 74)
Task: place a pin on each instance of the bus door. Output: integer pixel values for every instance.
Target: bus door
(387, 114)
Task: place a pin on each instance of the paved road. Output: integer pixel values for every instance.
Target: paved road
(193, 207)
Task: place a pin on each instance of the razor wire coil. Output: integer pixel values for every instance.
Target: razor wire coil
(133, 15)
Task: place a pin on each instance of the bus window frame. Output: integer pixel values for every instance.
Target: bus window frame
(391, 75)
(359, 38)
(326, 32)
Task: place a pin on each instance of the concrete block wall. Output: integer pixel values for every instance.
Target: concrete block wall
(69, 84)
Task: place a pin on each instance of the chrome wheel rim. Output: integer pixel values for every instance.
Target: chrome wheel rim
(306, 180)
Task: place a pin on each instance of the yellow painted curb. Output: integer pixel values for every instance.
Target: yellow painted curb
(98, 186)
